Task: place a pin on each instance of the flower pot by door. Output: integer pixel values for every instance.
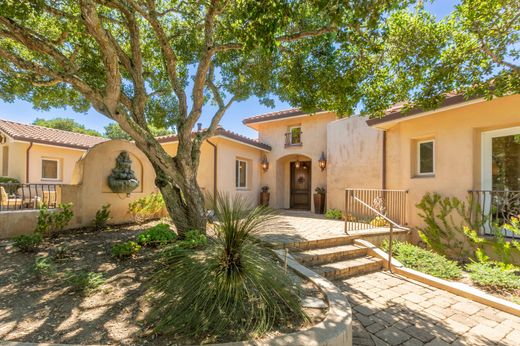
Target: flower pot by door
(264, 198)
(319, 203)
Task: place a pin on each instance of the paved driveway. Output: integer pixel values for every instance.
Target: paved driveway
(392, 310)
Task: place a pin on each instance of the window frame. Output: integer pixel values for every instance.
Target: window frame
(291, 128)
(237, 175)
(58, 169)
(418, 158)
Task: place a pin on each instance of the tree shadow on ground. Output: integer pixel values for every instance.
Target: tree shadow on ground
(389, 309)
(48, 309)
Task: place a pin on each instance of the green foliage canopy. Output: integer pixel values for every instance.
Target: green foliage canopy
(66, 124)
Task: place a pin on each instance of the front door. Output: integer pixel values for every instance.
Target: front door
(301, 185)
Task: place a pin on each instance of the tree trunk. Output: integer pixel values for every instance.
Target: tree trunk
(184, 200)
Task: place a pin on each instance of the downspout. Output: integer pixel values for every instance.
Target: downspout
(383, 162)
(27, 163)
(215, 155)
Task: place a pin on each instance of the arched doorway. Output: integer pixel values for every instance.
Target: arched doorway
(294, 182)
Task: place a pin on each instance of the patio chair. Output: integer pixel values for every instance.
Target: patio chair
(9, 202)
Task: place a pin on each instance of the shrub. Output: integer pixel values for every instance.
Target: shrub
(28, 242)
(148, 207)
(495, 276)
(50, 223)
(11, 185)
(44, 267)
(232, 288)
(158, 235)
(102, 217)
(125, 250)
(320, 190)
(84, 281)
(378, 221)
(425, 261)
(334, 214)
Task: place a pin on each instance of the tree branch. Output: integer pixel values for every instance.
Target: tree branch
(109, 54)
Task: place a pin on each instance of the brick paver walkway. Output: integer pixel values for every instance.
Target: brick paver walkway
(393, 310)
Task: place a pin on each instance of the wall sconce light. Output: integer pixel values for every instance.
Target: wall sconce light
(322, 162)
(265, 164)
(297, 163)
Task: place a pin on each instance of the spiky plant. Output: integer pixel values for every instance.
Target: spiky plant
(231, 289)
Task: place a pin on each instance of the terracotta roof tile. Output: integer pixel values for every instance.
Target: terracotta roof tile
(224, 133)
(45, 135)
(286, 113)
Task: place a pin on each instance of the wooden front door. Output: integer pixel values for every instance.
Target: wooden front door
(301, 186)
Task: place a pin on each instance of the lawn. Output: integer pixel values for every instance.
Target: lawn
(75, 290)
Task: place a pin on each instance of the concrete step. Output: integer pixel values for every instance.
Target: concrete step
(350, 267)
(320, 243)
(330, 254)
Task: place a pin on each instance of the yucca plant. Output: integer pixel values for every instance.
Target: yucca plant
(231, 289)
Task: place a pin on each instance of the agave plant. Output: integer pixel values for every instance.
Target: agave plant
(231, 289)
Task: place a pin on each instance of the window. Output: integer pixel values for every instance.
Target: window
(50, 169)
(426, 157)
(295, 135)
(241, 174)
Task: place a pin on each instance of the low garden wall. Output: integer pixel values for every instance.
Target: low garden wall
(89, 190)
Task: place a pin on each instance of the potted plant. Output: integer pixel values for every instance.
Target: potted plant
(264, 196)
(319, 200)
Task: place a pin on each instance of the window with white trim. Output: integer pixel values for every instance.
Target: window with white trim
(241, 174)
(50, 169)
(426, 157)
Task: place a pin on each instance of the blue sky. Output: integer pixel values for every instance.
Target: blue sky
(21, 111)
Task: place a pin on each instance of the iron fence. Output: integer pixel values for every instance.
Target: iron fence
(361, 204)
(17, 196)
(491, 209)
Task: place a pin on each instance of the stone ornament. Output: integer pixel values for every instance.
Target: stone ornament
(122, 179)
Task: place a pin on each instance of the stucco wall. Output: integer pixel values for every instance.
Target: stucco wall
(314, 142)
(354, 154)
(90, 178)
(16, 161)
(457, 135)
(67, 161)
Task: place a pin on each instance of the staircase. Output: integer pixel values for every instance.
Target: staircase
(336, 259)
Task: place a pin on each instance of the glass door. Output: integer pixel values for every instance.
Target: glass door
(501, 174)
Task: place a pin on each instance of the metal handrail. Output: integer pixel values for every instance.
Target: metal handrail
(391, 235)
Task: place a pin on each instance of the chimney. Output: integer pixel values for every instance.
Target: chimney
(199, 127)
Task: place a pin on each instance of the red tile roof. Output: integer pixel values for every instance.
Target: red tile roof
(45, 135)
(286, 113)
(224, 133)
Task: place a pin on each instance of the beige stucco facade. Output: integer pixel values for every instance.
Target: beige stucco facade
(458, 149)
(22, 157)
(313, 144)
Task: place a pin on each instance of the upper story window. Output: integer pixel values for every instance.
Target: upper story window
(294, 136)
(426, 157)
(50, 169)
(241, 174)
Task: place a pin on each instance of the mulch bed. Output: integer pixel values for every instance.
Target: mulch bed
(47, 309)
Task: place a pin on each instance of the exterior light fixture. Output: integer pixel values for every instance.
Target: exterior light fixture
(297, 163)
(322, 162)
(265, 164)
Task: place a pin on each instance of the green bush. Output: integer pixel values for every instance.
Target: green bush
(232, 288)
(102, 217)
(44, 267)
(11, 185)
(125, 250)
(158, 235)
(84, 281)
(334, 214)
(495, 276)
(28, 243)
(148, 207)
(425, 261)
(193, 239)
(50, 223)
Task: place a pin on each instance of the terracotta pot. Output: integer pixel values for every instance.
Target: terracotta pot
(319, 203)
(264, 198)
